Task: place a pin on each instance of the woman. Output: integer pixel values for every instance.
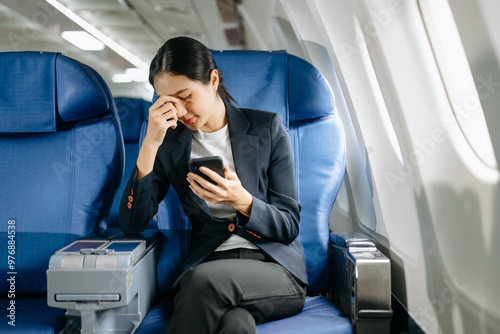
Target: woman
(245, 265)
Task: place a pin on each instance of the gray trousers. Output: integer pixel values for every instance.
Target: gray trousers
(231, 292)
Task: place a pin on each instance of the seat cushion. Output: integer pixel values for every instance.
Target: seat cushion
(318, 316)
(156, 322)
(32, 315)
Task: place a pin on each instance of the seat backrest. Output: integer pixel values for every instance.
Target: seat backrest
(298, 92)
(132, 112)
(61, 153)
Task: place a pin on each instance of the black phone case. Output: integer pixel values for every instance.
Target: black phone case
(214, 163)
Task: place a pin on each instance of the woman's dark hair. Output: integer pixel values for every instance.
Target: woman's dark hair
(186, 56)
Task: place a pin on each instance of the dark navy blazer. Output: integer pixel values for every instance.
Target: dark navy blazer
(264, 164)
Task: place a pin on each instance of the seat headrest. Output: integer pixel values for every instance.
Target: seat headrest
(256, 79)
(309, 94)
(275, 81)
(42, 91)
(132, 112)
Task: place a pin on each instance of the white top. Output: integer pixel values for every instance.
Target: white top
(213, 144)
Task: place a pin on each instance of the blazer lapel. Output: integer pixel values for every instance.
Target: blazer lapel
(181, 153)
(245, 149)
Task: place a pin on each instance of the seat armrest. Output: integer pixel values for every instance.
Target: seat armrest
(107, 282)
(361, 282)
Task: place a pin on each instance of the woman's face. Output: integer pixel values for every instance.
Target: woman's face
(199, 106)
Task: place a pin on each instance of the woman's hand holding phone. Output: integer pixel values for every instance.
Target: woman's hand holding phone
(226, 190)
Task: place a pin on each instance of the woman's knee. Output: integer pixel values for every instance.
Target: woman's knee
(237, 321)
(203, 279)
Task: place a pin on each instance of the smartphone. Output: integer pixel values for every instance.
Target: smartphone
(214, 163)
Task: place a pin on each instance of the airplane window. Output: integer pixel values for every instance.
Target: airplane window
(384, 81)
(293, 18)
(287, 38)
(465, 92)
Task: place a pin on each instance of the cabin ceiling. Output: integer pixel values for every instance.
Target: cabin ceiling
(138, 26)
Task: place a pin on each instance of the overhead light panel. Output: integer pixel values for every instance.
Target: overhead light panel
(121, 78)
(131, 75)
(123, 52)
(137, 74)
(83, 40)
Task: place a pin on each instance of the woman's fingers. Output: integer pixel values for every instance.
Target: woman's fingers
(205, 184)
(164, 108)
(163, 100)
(227, 190)
(212, 175)
(162, 116)
(230, 175)
(215, 193)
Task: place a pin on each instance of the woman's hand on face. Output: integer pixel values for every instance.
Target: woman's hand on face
(162, 116)
(227, 190)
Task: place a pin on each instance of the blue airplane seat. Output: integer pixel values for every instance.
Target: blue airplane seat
(290, 86)
(62, 161)
(132, 112)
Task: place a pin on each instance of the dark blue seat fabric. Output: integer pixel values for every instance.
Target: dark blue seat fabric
(34, 316)
(319, 316)
(276, 81)
(132, 112)
(62, 161)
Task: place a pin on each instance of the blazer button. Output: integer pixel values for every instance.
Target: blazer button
(129, 205)
(130, 199)
(231, 227)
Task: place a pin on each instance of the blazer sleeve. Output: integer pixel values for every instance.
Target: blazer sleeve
(140, 199)
(278, 218)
